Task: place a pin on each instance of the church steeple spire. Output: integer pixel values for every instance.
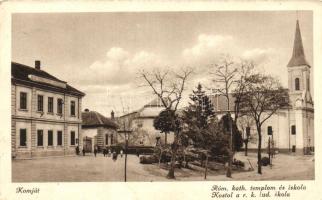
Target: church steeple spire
(298, 56)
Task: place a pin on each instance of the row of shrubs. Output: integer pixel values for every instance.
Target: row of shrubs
(150, 159)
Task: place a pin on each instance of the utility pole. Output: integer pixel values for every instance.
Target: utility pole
(125, 162)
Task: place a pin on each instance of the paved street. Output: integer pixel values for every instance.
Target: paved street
(91, 169)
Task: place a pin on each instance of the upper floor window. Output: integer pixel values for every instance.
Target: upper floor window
(40, 103)
(23, 100)
(72, 108)
(50, 138)
(23, 137)
(297, 84)
(59, 106)
(269, 130)
(50, 104)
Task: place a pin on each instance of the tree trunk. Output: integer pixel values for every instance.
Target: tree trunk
(160, 157)
(228, 173)
(230, 154)
(246, 148)
(206, 167)
(173, 157)
(259, 150)
(165, 138)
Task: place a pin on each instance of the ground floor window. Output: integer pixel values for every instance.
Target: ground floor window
(106, 139)
(269, 130)
(50, 138)
(40, 137)
(112, 139)
(72, 138)
(293, 128)
(23, 137)
(59, 138)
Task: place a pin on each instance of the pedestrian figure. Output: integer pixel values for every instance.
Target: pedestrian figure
(104, 151)
(95, 151)
(121, 152)
(109, 152)
(137, 153)
(83, 152)
(77, 150)
(114, 156)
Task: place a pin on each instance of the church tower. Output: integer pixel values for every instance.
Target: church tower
(299, 72)
(302, 111)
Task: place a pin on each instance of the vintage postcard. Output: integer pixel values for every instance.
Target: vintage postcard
(124, 100)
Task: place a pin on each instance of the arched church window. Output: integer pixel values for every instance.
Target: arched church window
(297, 84)
(293, 129)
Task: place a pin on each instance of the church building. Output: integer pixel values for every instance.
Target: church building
(292, 129)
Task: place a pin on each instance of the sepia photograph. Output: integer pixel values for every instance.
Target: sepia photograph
(162, 96)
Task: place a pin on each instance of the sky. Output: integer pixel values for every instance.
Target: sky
(102, 53)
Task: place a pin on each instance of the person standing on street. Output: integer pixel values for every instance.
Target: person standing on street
(83, 152)
(77, 150)
(121, 152)
(95, 151)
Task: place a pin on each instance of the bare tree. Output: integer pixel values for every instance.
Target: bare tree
(262, 98)
(244, 70)
(225, 78)
(168, 86)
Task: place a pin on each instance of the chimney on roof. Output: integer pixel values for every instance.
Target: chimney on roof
(112, 114)
(37, 64)
(86, 110)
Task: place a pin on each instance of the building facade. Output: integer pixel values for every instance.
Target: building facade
(290, 129)
(139, 126)
(45, 112)
(98, 131)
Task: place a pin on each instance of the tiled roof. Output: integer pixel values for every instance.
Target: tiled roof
(95, 119)
(20, 73)
(157, 102)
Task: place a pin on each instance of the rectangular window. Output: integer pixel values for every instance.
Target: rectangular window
(59, 106)
(23, 137)
(50, 138)
(269, 130)
(112, 139)
(50, 104)
(72, 138)
(106, 139)
(40, 103)
(40, 138)
(293, 130)
(72, 108)
(59, 138)
(23, 100)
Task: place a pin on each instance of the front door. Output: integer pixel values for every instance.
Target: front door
(87, 144)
